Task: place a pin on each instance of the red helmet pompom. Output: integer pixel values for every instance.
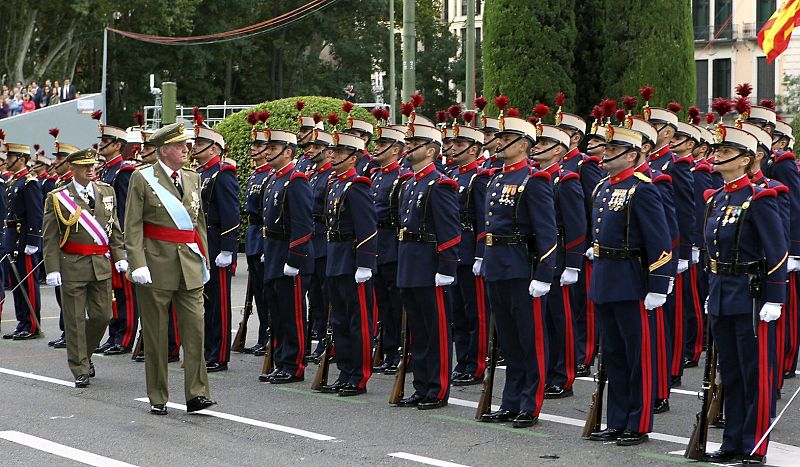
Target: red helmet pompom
(407, 108)
(619, 115)
(647, 92)
(480, 103)
(263, 116)
(742, 105)
(629, 102)
(468, 117)
(347, 106)
(597, 112)
(768, 103)
(299, 105)
(709, 118)
(674, 107)
(513, 112)
(53, 132)
(333, 119)
(744, 89)
(252, 118)
(198, 117)
(560, 98)
(541, 110)
(721, 106)
(454, 111)
(317, 117)
(441, 116)
(501, 102)
(97, 114)
(138, 117)
(609, 107)
(417, 99)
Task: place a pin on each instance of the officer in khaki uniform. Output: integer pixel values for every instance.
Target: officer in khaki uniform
(80, 231)
(165, 238)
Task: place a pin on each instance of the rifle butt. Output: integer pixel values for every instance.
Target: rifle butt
(239, 339)
(137, 347)
(694, 450)
(268, 365)
(321, 376)
(485, 402)
(593, 418)
(398, 388)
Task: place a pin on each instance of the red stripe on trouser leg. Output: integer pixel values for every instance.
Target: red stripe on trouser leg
(780, 342)
(647, 372)
(764, 388)
(480, 298)
(677, 341)
(298, 321)
(698, 314)
(538, 330)
(31, 292)
(590, 344)
(569, 338)
(366, 348)
(791, 322)
(223, 307)
(444, 363)
(375, 313)
(661, 355)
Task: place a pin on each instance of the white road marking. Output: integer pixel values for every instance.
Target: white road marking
(672, 390)
(61, 450)
(46, 379)
(250, 421)
(424, 460)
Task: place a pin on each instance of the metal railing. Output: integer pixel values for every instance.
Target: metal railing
(726, 32)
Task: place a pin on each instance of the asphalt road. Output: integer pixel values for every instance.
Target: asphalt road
(45, 421)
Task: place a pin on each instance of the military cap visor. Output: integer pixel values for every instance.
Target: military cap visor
(169, 134)
(83, 157)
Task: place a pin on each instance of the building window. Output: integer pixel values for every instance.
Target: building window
(721, 85)
(765, 79)
(478, 7)
(478, 38)
(723, 20)
(463, 7)
(764, 9)
(701, 14)
(446, 11)
(701, 69)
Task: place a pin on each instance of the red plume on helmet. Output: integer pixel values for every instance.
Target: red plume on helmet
(376, 113)
(97, 114)
(407, 108)
(385, 114)
(36, 147)
(694, 120)
(441, 116)
(629, 103)
(710, 118)
(647, 93)
(742, 105)
(721, 106)
(333, 119)
(768, 103)
(674, 107)
(513, 112)
(609, 108)
(619, 115)
(252, 118)
(501, 102)
(693, 113)
(480, 103)
(53, 132)
(541, 110)
(454, 111)
(533, 120)
(597, 112)
(317, 117)
(299, 105)
(560, 99)
(3, 134)
(468, 117)
(138, 117)
(197, 116)
(347, 106)
(744, 89)
(417, 99)
(263, 116)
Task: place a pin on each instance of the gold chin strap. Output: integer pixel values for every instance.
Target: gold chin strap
(68, 222)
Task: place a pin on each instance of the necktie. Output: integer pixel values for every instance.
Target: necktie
(89, 199)
(177, 183)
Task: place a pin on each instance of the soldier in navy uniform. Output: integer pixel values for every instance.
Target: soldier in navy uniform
(363, 130)
(632, 252)
(22, 240)
(490, 127)
(427, 259)
(386, 183)
(220, 194)
(352, 250)
(319, 176)
(552, 143)
(518, 265)
(124, 322)
(471, 318)
(288, 256)
(254, 242)
(307, 126)
(747, 263)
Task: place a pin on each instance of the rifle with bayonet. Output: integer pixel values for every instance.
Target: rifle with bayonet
(485, 402)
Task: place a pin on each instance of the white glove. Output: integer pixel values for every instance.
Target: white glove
(224, 259)
(683, 265)
(476, 266)
(31, 250)
(262, 258)
(590, 254)
(695, 255)
(569, 276)
(538, 288)
(442, 280)
(671, 285)
(121, 265)
(705, 306)
(770, 312)
(793, 264)
(53, 278)
(363, 275)
(290, 271)
(654, 300)
(141, 276)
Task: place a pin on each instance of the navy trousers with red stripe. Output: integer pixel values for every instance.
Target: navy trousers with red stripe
(519, 320)
(470, 323)
(678, 323)
(390, 309)
(255, 268)
(285, 295)
(792, 323)
(123, 325)
(428, 312)
(583, 318)
(560, 336)
(627, 355)
(744, 367)
(659, 330)
(29, 287)
(693, 314)
(351, 321)
(217, 305)
(318, 302)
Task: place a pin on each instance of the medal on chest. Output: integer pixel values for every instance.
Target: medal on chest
(195, 204)
(618, 198)
(731, 215)
(508, 194)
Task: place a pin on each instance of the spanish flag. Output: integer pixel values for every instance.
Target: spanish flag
(774, 37)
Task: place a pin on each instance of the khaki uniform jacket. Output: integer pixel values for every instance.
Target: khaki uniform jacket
(81, 267)
(168, 261)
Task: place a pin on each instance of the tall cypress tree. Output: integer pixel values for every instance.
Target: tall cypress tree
(592, 23)
(528, 50)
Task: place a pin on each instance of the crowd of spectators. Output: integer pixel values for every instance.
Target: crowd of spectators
(20, 98)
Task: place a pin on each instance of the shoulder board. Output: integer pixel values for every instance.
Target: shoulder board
(541, 174)
(448, 182)
(765, 192)
(781, 189)
(684, 160)
(663, 178)
(593, 159)
(785, 156)
(642, 177)
(63, 187)
(703, 168)
(228, 167)
(495, 170)
(362, 179)
(709, 193)
(31, 178)
(102, 183)
(569, 176)
(298, 175)
(484, 173)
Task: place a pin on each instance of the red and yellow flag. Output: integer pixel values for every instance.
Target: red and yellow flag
(774, 37)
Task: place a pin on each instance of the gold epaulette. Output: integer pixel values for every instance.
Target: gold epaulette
(642, 177)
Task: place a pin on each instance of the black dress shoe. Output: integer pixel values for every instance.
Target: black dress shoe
(82, 381)
(498, 416)
(689, 363)
(675, 382)
(314, 357)
(557, 392)
(631, 438)
(158, 409)
(755, 459)
(91, 369)
(719, 423)
(61, 343)
(609, 434)
(103, 348)
(786, 374)
(10, 335)
(333, 388)
(256, 348)
(722, 456)
(268, 376)
(52, 342)
(524, 420)
(349, 390)
(260, 352)
(286, 378)
(467, 380)
(382, 367)
(215, 367)
(582, 370)
(431, 403)
(661, 406)
(199, 403)
(501, 361)
(170, 359)
(140, 358)
(455, 375)
(410, 401)
(25, 335)
(391, 370)
(117, 350)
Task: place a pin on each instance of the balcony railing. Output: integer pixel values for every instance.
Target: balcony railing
(726, 32)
